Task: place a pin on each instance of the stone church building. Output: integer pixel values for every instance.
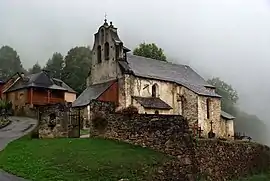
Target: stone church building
(153, 86)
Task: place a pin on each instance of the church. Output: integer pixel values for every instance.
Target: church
(153, 86)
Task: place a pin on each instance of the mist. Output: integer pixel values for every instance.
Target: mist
(229, 39)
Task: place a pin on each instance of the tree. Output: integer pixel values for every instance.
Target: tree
(150, 51)
(245, 123)
(35, 69)
(229, 95)
(78, 61)
(55, 65)
(10, 62)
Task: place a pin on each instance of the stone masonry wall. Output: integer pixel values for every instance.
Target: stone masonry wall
(191, 159)
(165, 133)
(226, 160)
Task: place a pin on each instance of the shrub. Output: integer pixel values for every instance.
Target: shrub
(130, 110)
(99, 122)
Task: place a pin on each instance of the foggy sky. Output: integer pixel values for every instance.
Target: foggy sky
(225, 38)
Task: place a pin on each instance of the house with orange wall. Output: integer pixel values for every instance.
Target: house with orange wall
(36, 89)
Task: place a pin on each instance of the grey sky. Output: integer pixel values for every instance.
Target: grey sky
(226, 38)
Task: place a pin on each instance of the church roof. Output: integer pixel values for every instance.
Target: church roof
(90, 93)
(166, 71)
(226, 115)
(152, 102)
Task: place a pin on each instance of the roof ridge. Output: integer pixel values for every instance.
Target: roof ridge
(161, 61)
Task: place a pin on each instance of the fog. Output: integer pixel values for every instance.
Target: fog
(225, 38)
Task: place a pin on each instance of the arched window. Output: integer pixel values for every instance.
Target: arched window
(208, 108)
(155, 90)
(107, 51)
(117, 51)
(99, 54)
(156, 112)
(102, 35)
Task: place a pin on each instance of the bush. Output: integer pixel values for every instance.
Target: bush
(99, 122)
(130, 110)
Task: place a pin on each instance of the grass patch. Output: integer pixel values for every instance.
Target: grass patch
(78, 159)
(84, 131)
(259, 177)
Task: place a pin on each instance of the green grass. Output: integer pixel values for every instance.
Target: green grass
(78, 159)
(259, 177)
(84, 131)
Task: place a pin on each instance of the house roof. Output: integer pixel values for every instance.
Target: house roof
(90, 93)
(226, 115)
(152, 102)
(41, 80)
(166, 71)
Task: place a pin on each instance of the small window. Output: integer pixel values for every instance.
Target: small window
(107, 51)
(99, 54)
(156, 112)
(154, 90)
(208, 108)
(117, 50)
(102, 35)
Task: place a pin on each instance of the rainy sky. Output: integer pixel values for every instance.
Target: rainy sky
(225, 38)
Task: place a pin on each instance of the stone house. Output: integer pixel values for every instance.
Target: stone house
(153, 86)
(26, 91)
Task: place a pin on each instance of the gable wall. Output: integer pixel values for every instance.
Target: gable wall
(215, 110)
(70, 97)
(111, 94)
(168, 92)
(18, 98)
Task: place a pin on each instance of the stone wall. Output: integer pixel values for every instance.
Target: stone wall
(191, 159)
(94, 107)
(166, 133)
(226, 160)
(53, 121)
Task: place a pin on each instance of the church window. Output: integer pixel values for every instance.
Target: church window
(154, 90)
(99, 54)
(117, 52)
(107, 51)
(156, 112)
(102, 35)
(208, 108)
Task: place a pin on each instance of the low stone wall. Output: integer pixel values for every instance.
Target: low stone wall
(165, 133)
(191, 159)
(226, 160)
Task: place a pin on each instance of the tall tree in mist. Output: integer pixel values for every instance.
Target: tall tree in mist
(10, 62)
(229, 95)
(55, 65)
(245, 123)
(78, 61)
(35, 69)
(150, 51)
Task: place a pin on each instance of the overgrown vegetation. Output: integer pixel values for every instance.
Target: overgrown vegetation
(78, 159)
(99, 122)
(130, 110)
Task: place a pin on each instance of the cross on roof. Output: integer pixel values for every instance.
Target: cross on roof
(105, 16)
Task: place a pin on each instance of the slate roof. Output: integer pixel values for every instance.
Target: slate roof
(152, 102)
(90, 93)
(166, 71)
(41, 80)
(227, 115)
